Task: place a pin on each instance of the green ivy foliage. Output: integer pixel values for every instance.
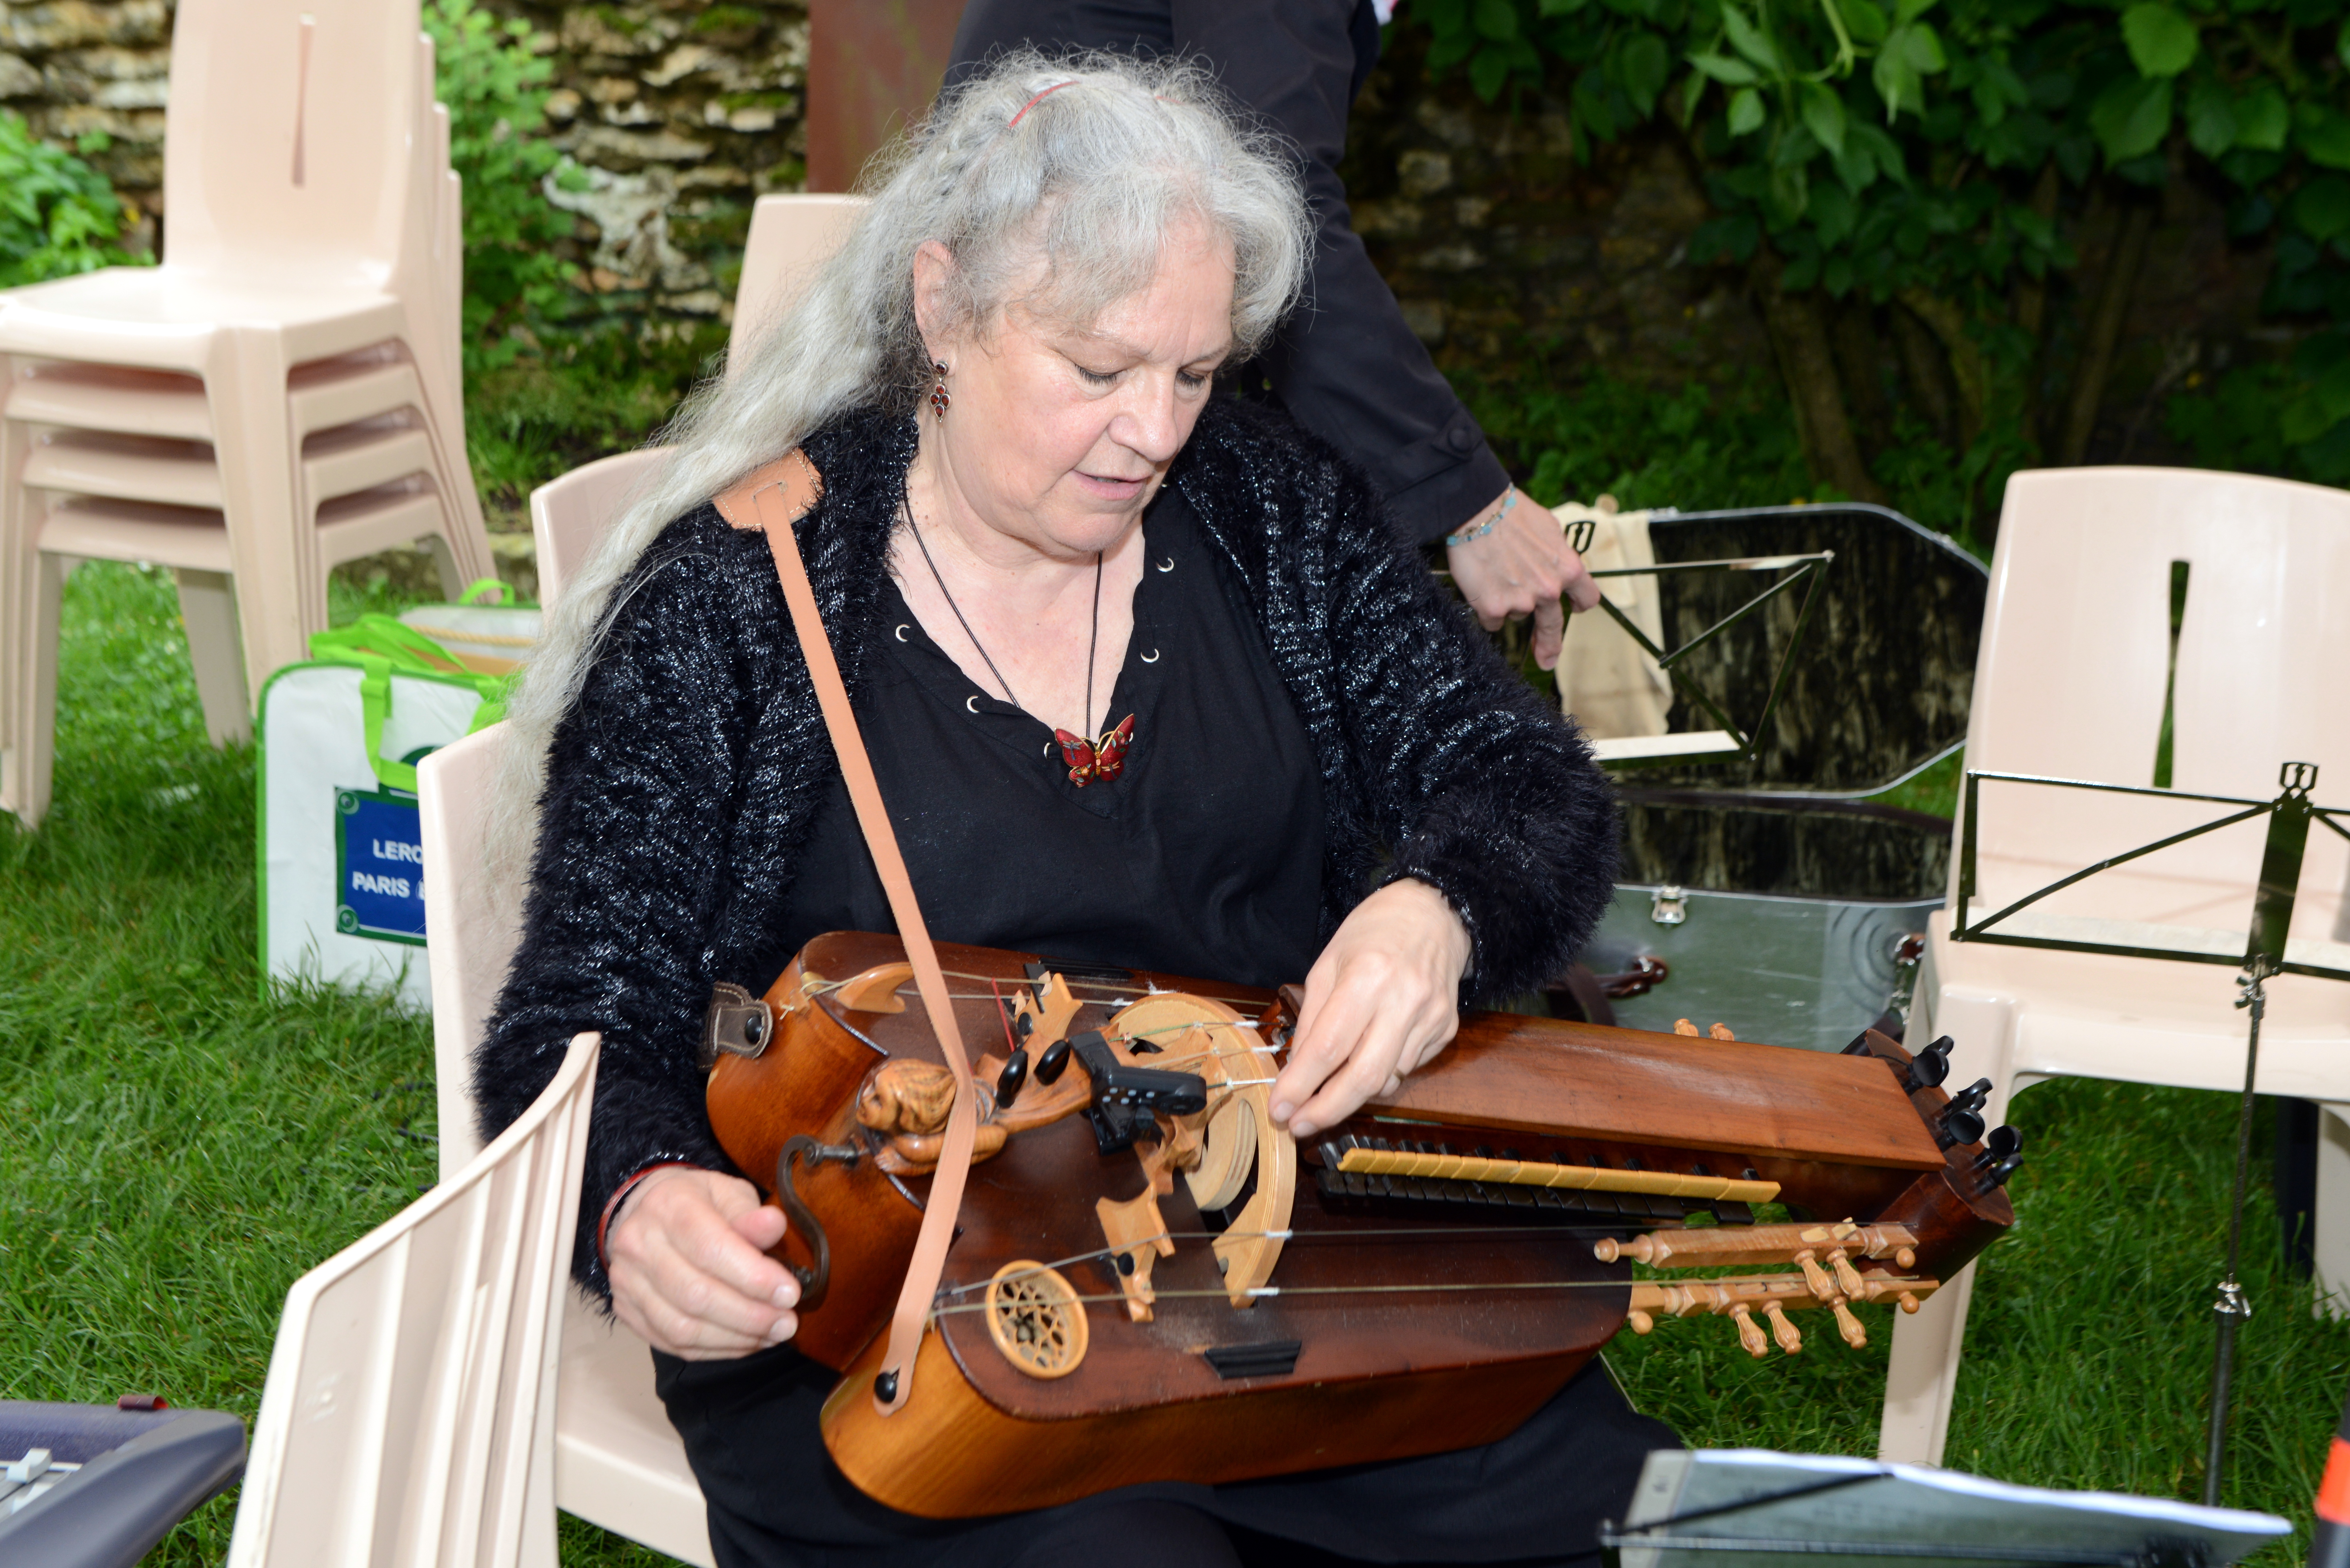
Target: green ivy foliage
(57, 215)
(494, 81)
(1884, 146)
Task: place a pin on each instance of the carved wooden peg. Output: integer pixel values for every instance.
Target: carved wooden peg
(1683, 1026)
(1849, 1326)
(1721, 1032)
(1847, 1275)
(1784, 1332)
(1641, 1322)
(1750, 1332)
(876, 990)
(1816, 1277)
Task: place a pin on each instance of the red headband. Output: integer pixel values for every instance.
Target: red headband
(1033, 102)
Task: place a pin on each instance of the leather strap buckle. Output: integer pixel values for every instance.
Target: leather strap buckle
(737, 1025)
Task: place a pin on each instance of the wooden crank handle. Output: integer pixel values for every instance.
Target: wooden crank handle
(816, 1278)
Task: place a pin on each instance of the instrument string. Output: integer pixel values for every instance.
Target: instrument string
(1413, 1232)
(1118, 994)
(1440, 1287)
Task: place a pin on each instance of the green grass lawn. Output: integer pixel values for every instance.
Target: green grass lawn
(177, 1147)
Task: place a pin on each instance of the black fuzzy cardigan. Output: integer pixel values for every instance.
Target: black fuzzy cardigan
(685, 779)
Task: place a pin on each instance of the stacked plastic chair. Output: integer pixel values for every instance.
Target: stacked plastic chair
(280, 395)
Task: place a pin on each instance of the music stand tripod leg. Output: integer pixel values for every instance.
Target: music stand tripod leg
(2231, 1307)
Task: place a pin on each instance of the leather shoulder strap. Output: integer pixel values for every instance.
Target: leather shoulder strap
(774, 499)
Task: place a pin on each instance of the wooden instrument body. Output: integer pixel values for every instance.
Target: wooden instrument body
(1384, 1373)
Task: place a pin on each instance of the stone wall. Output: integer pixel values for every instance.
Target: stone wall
(680, 115)
(1500, 243)
(79, 71)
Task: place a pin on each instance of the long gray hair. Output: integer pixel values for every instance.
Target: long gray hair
(1088, 162)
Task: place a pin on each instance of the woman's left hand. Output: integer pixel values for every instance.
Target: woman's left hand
(1382, 999)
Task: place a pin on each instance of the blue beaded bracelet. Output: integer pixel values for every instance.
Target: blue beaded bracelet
(1470, 536)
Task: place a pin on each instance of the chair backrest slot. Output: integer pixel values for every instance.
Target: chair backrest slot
(327, 92)
(2163, 747)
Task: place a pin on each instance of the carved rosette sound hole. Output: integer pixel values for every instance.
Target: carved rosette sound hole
(1035, 1319)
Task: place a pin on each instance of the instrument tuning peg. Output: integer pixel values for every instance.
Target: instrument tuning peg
(2000, 1142)
(1957, 1125)
(1750, 1332)
(1850, 1327)
(1972, 1096)
(1929, 1067)
(1999, 1172)
(1053, 1063)
(1008, 1082)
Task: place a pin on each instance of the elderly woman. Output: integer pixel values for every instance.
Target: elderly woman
(1144, 682)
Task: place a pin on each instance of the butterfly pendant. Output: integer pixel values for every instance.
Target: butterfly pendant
(1090, 760)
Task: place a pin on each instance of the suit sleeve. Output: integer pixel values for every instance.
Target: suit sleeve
(1346, 365)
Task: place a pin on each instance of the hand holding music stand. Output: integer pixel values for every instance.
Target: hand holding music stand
(1729, 742)
(1746, 1508)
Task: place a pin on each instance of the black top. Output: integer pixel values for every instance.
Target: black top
(1345, 365)
(1203, 857)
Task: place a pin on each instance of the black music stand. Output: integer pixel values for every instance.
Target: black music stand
(2267, 952)
(1729, 742)
(1744, 1507)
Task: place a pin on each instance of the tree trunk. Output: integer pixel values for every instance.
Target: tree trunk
(1800, 338)
(1969, 371)
(1929, 381)
(2114, 291)
(2032, 307)
(2031, 293)
(1859, 355)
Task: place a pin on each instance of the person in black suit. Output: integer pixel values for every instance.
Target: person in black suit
(1346, 366)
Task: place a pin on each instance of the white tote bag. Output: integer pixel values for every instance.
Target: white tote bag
(342, 858)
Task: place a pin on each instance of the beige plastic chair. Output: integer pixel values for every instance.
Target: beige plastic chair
(281, 394)
(405, 1415)
(568, 515)
(791, 235)
(617, 1461)
(2071, 683)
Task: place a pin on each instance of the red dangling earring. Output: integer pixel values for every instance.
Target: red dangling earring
(940, 397)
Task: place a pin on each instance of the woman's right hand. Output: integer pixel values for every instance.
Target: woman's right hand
(690, 1270)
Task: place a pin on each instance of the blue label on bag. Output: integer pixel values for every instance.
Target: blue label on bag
(378, 866)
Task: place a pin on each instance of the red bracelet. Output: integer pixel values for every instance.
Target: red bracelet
(619, 1194)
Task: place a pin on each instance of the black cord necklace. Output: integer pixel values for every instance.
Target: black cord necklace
(1088, 760)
